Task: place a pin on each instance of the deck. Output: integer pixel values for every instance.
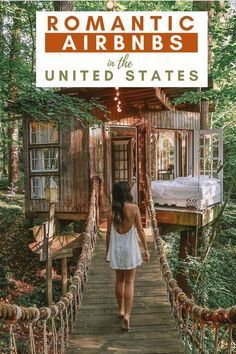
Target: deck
(172, 215)
(98, 330)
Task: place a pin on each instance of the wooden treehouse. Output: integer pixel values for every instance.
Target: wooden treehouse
(145, 134)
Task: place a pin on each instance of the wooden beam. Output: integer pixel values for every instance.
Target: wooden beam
(63, 253)
(59, 215)
(164, 99)
(172, 216)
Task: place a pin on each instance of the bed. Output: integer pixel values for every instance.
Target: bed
(188, 192)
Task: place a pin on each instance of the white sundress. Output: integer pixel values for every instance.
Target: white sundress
(124, 252)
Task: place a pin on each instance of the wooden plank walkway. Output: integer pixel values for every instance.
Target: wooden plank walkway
(98, 330)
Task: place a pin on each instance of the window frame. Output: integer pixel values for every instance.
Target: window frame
(43, 170)
(43, 173)
(46, 176)
(47, 143)
(178, 135)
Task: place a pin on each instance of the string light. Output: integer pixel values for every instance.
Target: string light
(117, 100)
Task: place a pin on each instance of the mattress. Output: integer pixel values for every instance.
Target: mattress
(188, 192)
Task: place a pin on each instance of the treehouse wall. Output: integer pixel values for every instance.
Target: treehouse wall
(82, 153)
(181, 120)
(172, 120)
(72, 174)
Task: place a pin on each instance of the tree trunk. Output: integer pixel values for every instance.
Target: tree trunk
(13, 124)
(205, 119)
(1, 106)
(204, 115)
(63, 5)
(188, 246)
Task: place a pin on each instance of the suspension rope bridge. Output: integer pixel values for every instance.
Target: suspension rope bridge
(164, 319)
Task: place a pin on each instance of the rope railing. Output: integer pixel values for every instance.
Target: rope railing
(47, 329)
(193, 321)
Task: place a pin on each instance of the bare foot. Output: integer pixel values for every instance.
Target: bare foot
(125, 323)
(121, 315)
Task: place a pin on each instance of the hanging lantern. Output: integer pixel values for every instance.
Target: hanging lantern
(51, 191)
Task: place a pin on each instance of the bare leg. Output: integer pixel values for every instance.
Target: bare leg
(129, 295)
(120, 291)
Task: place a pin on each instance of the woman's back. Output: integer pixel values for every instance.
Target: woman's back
(124, 252)
(129, 211)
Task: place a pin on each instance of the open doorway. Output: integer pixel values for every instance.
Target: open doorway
(124, 156)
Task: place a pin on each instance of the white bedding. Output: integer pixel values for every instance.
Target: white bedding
(198, 192)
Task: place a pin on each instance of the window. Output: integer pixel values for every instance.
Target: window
(209, 154)
(44, 158)
(163, 155)
(171, 154)
(121, 161)
(38, 184)
(43, 133)
(121, 166)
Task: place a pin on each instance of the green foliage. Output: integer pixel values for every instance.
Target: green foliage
(127, 5)
(3, 281)
(14, 239)
(90, 5)
(154, 5)
(222, 29)
(217, 284)
(4, 183)
(41, 104)
(47, 105)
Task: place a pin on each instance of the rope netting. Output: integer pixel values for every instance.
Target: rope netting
(49, 327)
(193, 321)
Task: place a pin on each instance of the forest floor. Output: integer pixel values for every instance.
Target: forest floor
(22, 275)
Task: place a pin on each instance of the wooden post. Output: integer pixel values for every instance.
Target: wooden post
(64, 275)
(49, 253)
(142, 159)
(49, 277)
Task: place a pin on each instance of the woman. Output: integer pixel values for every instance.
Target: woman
(122, 248)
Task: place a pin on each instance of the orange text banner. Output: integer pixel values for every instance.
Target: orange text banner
(125, 42)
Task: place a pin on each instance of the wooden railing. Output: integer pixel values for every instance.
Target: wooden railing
(203, 330)
(46, 330)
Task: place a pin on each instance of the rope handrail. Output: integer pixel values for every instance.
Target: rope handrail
(192, 318)
(62, 314)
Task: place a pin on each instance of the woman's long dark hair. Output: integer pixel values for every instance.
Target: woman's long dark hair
(120, 194)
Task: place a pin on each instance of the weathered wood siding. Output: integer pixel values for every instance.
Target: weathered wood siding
(80, 165)
(107, 162)
(124, 121)
(74, 179)
(173, 120)
(163, 120)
